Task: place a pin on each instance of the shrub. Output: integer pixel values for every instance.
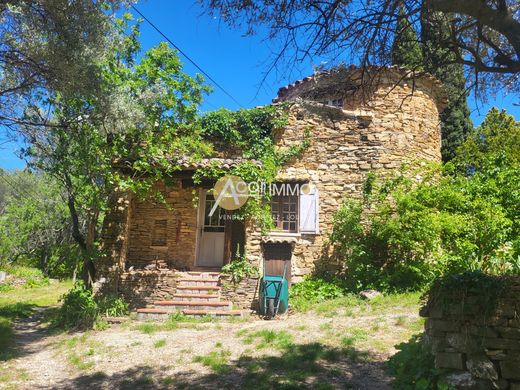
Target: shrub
(239, 268)
(413, 367)
(112, 306)
(79, 309)
(428, 221)
(313, 290)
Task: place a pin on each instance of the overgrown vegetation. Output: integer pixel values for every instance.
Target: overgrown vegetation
(240, 268)
(413, 367)
(250, 134)
(428, 221)
(80, 309)
(314, 290)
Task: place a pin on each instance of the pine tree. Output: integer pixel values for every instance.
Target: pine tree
(406, 51)
(438, 60)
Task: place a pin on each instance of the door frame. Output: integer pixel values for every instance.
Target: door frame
(200, 226)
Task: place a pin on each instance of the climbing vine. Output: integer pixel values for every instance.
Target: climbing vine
(248, 134)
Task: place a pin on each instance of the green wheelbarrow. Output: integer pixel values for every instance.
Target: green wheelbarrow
(274, 294)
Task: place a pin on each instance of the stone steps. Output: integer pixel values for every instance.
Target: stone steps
(196, 297)
(148, 314)
(198, 289)
(197, 294)
(198, 282)
(202, 305)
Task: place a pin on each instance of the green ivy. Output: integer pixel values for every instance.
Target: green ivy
(249, 134)
(240, 268)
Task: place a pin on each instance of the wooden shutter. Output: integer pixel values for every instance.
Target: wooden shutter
(309, 212)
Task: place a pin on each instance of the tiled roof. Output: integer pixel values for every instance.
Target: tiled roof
(352, 71)
(225, 163)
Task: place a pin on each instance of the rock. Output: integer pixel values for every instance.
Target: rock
(449, 360)
(461, 380)
(369, 294)
(481, 367)
(510, 369)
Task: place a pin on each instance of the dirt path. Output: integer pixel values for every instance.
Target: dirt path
(302, 350)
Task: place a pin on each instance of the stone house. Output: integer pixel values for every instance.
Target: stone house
(359, 121)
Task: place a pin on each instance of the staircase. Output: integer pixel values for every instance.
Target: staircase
(197, 294)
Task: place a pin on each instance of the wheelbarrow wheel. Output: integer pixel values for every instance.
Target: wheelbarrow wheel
(270, 308)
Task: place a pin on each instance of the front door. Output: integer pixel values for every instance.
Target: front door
(211, 244)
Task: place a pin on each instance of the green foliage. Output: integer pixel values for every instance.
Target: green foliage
(439, 60)
(429, 221)
(250, 134)
(240, 268)
(26, 277)
(78, 310)
(34, 225)
(413, 367)
(406, 51)
(112, 306)
(314, 290)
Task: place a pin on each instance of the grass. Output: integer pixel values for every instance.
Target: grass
(20, 302)
(159, 343)
(268, 339)
(351, 305)
(217, 361)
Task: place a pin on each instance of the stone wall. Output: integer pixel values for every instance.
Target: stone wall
(140, 288)
(244, 294)
(480, 344)
(181, 228)
(394, 127)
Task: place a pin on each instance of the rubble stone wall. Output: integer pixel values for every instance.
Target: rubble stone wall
(244, 294)
(481, 345)
(395, 127)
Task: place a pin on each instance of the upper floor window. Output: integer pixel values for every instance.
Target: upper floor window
(338, 103)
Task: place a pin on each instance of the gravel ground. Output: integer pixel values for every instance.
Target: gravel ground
(308, 350)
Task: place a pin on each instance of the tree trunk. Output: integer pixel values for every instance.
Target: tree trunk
(89, 271)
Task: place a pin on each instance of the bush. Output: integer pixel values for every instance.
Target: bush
(428, 221)
(239, 268)
(413, 367)
(113, 306)
(313, 290)
(79, 309)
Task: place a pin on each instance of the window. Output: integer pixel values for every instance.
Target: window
(215, 222)
(295, 211)
(284, 210)
(338, 103)
(159, 232)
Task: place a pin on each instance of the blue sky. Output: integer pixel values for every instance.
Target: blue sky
(236, 62)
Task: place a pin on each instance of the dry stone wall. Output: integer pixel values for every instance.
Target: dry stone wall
(480, 345)
(140, 288)
(244, 294)
(181, 229)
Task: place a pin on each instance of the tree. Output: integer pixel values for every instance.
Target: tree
(50, 45)
(35, 226)
(484, 34)
(406, 51)
(441, 62)
(124, 138)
